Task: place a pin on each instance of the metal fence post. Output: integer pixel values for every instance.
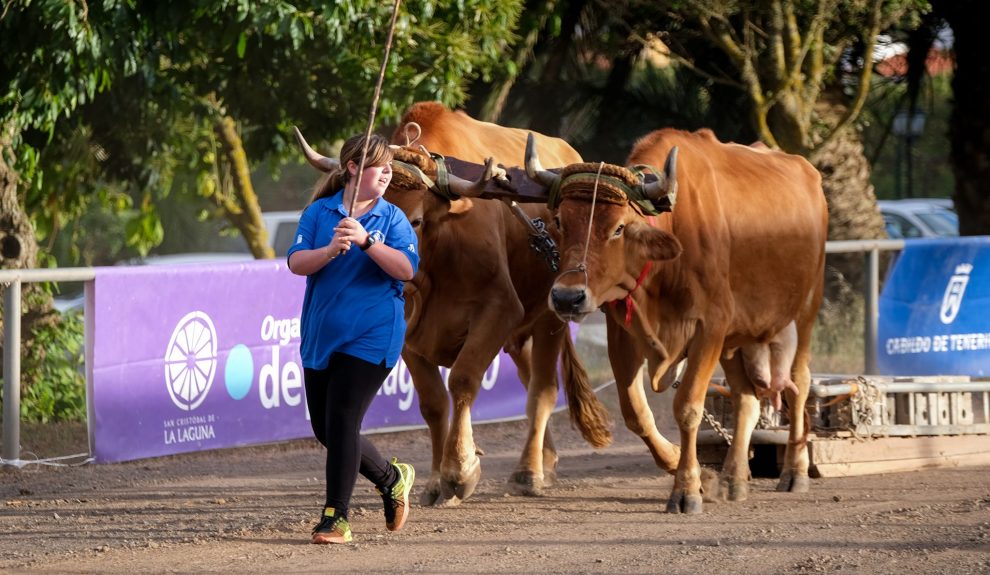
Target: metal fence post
(12, 372)
(871, 311)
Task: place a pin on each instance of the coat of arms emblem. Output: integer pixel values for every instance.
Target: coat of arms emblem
(954, 293)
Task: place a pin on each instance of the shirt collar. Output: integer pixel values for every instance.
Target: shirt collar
(336, 203)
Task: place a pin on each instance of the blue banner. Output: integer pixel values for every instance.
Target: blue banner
(935, 309)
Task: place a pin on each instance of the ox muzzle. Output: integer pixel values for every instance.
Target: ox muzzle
(571, 303)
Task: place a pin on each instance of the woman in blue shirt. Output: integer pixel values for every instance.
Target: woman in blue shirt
(353, 325)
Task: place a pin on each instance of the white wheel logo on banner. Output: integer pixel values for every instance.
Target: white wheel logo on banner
(191, 360)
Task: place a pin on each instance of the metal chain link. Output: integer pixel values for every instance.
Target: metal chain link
(766, 415)
(721, 431)
(710, 420)
(862, 404)
(544, 246)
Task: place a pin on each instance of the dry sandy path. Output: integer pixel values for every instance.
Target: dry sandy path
(250, 511)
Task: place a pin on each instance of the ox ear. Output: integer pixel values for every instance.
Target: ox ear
(655, 244)
(460, 205)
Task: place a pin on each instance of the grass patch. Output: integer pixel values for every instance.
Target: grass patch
(837, 340)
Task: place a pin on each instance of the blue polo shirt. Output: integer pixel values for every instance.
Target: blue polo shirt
(351, 305)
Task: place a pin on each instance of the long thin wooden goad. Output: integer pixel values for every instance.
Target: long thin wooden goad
(374, 106)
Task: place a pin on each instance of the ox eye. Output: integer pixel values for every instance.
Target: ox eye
(618, 230)
(416, 222)
(556, 222)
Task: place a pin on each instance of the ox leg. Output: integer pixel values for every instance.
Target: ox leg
(689, 403)
(434, 405)
(522, 356)
(734, 479)
(794, 474)
(627, 366)
(460, 469)
(538, 461)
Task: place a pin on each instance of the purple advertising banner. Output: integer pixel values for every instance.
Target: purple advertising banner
(193, 357)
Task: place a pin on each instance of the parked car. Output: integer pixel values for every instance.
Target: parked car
(281, 228)
(919, 218)
(69, 303)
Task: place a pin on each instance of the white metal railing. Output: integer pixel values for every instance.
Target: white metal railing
(11, 280)
(871, 289)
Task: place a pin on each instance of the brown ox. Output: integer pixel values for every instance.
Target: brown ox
(480, 287)
(739, 258)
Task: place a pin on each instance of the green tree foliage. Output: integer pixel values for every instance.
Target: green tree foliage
(129, 100)
(57, 389)
(54, 60)
(596, 75)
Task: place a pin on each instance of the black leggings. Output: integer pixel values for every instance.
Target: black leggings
(338, 397)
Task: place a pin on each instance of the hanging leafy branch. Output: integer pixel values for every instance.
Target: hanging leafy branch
(784, 52)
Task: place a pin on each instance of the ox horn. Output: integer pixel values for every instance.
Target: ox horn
(315, 159)
(412, 131)
(666, 184)
(533, 168)
(470, 189)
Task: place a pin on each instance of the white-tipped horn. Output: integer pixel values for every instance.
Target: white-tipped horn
(470, 189)
(315, 159)
(666, 184)
(533, 168)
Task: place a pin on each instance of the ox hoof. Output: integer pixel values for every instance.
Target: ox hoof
(526, 483)
(447, 503)
(710, 487)
(734, 489)
(679, 502)
(799, 483)
(462, 488)
(550, 461)
(431, 495)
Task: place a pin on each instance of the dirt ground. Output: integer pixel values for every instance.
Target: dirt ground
(250, 510)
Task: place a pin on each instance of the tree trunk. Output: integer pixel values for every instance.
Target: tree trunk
(549, 100)
(242, 209)
(969, 129)
(19, 250)
(852, 204)
(604, 143)
(492, 96)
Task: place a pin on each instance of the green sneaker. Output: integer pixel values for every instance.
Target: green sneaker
(332, 528)
(396, 499)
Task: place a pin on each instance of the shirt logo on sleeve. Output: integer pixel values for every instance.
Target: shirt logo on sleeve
(299, 239)
(412, 248)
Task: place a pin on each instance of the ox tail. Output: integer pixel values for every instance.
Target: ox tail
(588, 413)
